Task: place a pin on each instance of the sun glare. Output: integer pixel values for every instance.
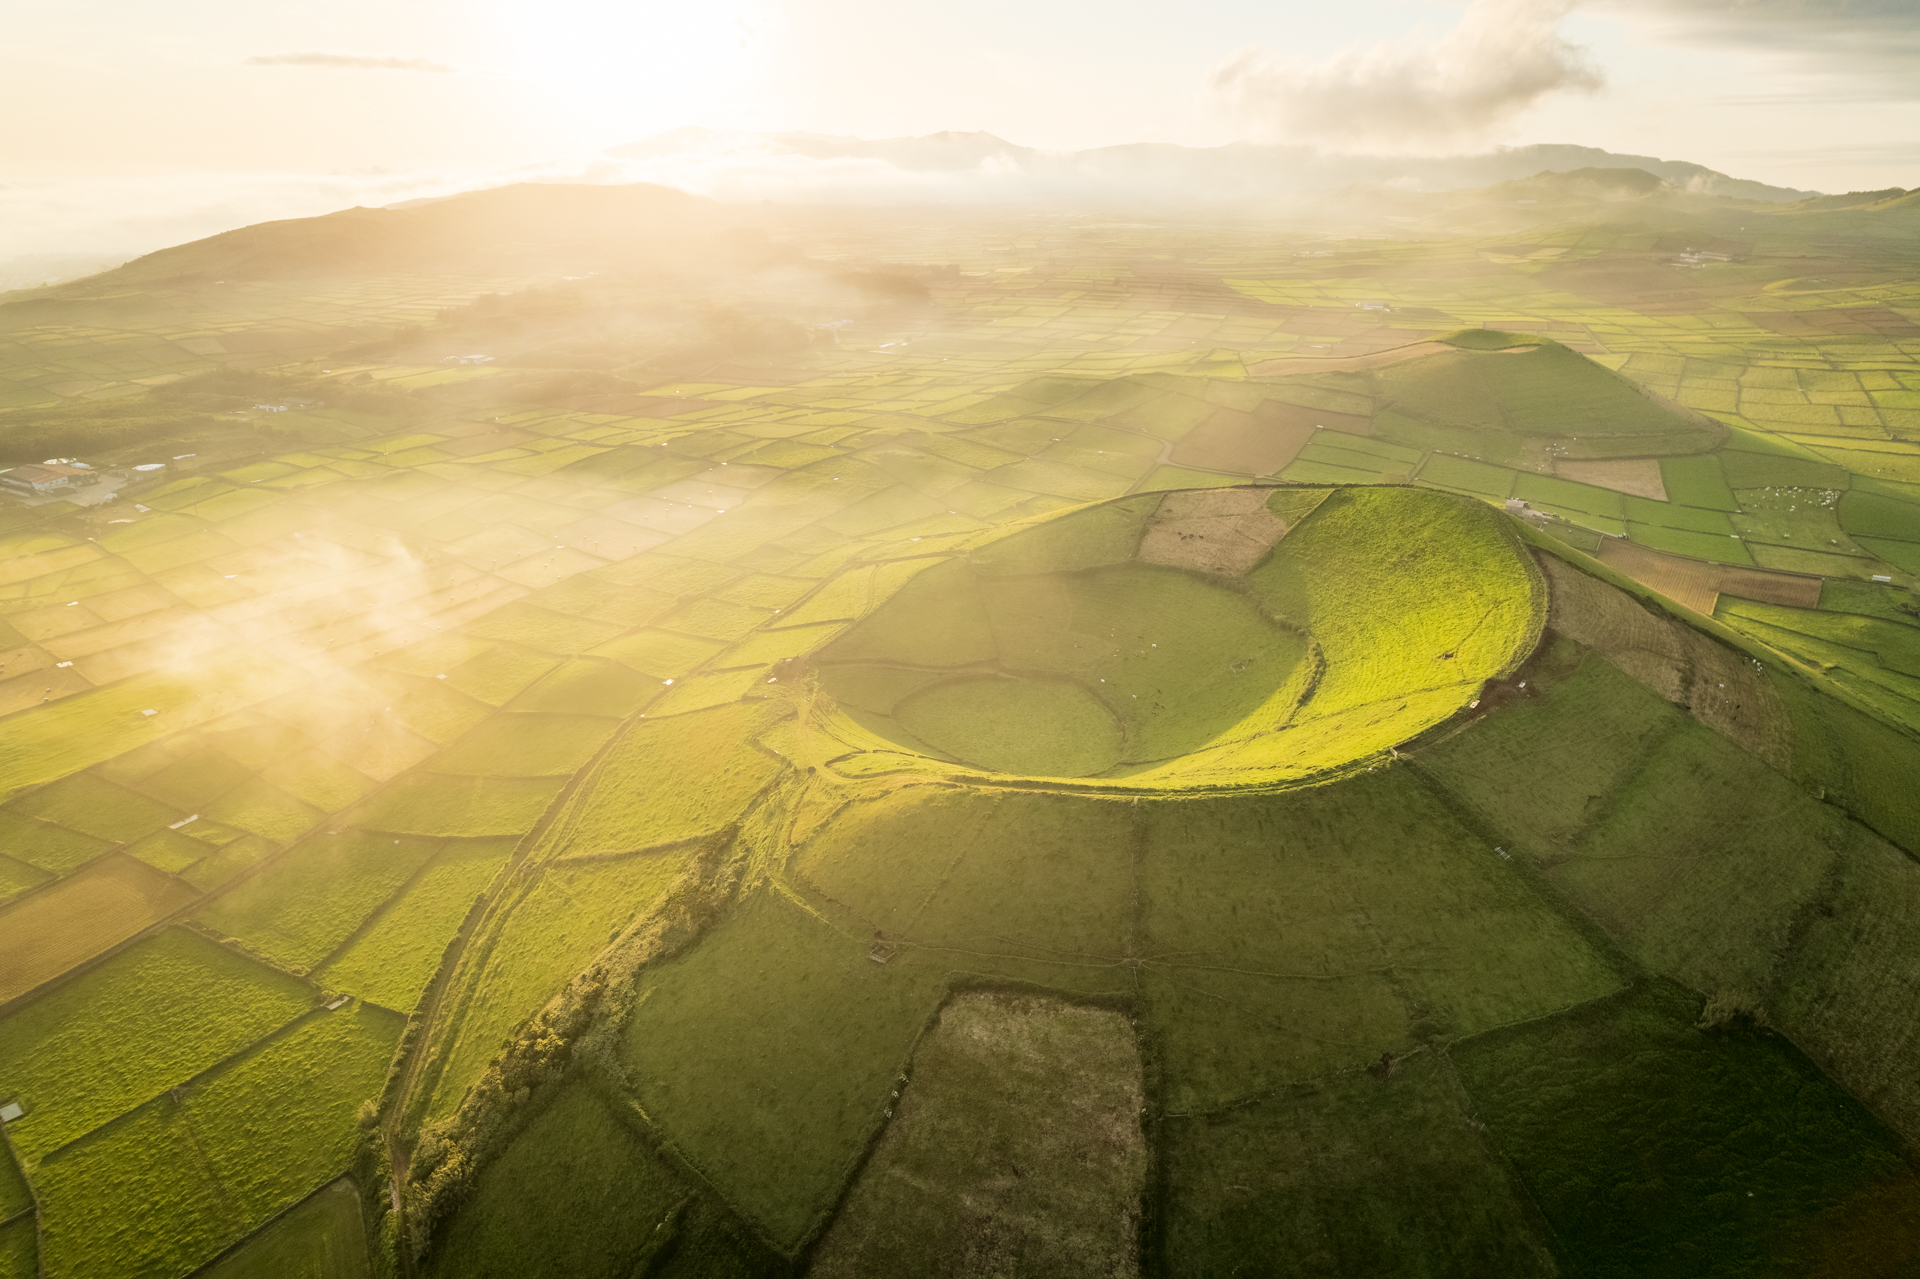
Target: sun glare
(653, 65)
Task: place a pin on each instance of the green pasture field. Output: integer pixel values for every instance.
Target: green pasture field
(1704, 830)
(19, 1250)
(221, 865)
(1359, 1173)
(280, 1121)
(984, 875)
(94, 806)
(70, 921)
(15, 1197)
(498, 675)
(587, 687)
(264, 809)
(1004, 1081)
(432, 804)
(1864, 512)
(571, 912)
(1842, 990)
(1042, 726)
(193, 780)
(177, 1182)
(526, 746)
(312, 899)
(1528, 774)
(579, 1195)
(391, 962)
(1244, 908)
(660, 654)
(137, 1196)
(634, 800)
(17, 876)
(323, 1237)
(1603, 1112)
(778, 1004)
(1721, 547)
(1895, 644)
(151, 1017)
(46, 845)
(1869, 599)
(1465, 604)
(318, 779)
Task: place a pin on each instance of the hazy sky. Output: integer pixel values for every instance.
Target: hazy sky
(249, 102)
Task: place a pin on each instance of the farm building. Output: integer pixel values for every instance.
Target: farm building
(43, 477)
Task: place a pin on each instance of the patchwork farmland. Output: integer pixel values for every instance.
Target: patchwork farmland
(1102, 760)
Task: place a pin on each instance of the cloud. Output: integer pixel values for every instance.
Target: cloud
(1876, 39)
(1411, 95)
(346, 62)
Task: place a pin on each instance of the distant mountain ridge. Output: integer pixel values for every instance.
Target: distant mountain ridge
(1236, 171)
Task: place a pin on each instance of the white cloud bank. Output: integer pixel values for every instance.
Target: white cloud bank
(1411, 95)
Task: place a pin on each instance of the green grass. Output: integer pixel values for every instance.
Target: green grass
(1746, 470)
(1550, 391)
(1540, 770)
(586, 687)
(986, 877)
(17, 876)
(1854, 969)
(1545, 490)
(1294, 935)
(1000, 1082)
(1697, 481)
(318, 779)
(51, 742)
(19, 1250)
(280, 1121)
(497, 675)
(778, 1006)
(636, 800)
(15, 1198)
(1719, 547)
(575, 1195)
(538, 628)
(1466, 605)
(1653, 1147)
(431, 804)
(515, 745)
(137, 1198)
(1105, 534)
(1701, 864)
(149, 1018)
(323, 1237)
(303, 906)
(1895, 643)
(1870, 599)
(1866, 513)
(1353, 1175)
(1048, 727)
(660, 654)
(45, 845)
(1467, 476)
(394, 959)
(1177, 660)
(567, 917)
(1665, 515)
(95, 806)
(265, 810)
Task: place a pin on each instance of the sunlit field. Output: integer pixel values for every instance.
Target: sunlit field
(620, 735)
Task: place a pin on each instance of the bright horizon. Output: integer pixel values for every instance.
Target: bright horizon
(147, 128)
